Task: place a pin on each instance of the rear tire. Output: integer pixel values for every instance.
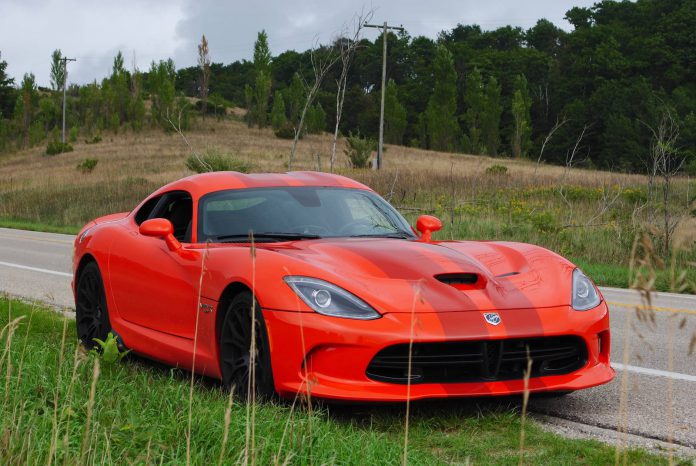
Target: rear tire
(91, 311)
(235, 345)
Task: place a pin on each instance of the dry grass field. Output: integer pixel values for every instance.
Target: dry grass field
(591, 216)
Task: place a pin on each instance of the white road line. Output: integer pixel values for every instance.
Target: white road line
(36, 269)
(654, 372)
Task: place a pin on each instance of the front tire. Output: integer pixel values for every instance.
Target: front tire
(91, 311)
(235, 346)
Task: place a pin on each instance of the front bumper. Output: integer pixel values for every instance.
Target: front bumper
(328, 356)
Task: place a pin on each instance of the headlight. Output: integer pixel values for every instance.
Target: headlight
(585, 295)
(328, 299)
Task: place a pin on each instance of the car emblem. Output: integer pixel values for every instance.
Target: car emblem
(492, 318)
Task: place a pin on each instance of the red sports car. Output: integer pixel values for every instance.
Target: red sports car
(341, 296)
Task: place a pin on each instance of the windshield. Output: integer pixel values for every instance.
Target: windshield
(277, 214)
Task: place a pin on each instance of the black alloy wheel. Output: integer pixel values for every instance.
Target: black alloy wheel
(91, 313)
(235, 345)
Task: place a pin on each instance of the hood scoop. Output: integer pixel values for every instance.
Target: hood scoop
(462, 281)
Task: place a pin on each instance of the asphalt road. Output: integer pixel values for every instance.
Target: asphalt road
(653, 396)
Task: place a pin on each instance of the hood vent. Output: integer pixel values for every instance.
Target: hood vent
(462, 281)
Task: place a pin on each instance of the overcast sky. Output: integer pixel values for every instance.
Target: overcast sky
(93, 31)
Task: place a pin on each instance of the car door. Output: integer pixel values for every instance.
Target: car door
(151, 285)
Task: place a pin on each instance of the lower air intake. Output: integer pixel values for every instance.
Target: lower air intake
(479, 360)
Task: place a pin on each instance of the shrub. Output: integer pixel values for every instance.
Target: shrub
(57, 147)
(87, 165)
(286, 131)
(359, 150)
(95, 140)
(497, 170)
(215, 161)
(74, 132)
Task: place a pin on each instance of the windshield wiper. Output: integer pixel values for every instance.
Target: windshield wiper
(398, 235)
(265, 237)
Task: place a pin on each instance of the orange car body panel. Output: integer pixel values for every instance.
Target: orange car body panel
(155, 297)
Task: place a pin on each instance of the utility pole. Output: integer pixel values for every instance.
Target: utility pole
(385, 28)
(65, 82)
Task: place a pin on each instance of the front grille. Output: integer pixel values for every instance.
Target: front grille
(479, 360)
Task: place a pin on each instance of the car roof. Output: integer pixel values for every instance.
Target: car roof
(200, 185)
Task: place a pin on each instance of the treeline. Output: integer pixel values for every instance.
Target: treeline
(596, 91)
(593, 95)
(30, 115)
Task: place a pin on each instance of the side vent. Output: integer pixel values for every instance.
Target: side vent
(462, 281)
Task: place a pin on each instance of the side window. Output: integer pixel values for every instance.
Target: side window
(145, 211)
(177, 207)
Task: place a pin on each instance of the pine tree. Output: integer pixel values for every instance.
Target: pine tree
(7, 91)
(57, 70)
(262, 94)
(263, 82)
(278, 118)
(162, 92)
(441, 120)
(294, 99)
(249, 105)
(475, 102)
(316, 119)
(394, 115)
(490, 120)
(26, 105)
(521, 107)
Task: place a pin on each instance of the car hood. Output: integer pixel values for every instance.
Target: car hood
(412, 276)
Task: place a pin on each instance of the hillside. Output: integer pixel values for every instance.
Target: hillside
(591, 216)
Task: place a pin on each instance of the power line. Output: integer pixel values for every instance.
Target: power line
(385, 27)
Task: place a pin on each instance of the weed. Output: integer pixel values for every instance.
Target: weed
(359, 150)
(57, 147)
(87, 165)
(497, 170)
(216, 161)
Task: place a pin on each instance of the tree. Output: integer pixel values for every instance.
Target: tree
(294, 98)
(316, 119)
(394, 115)
(7, 91)
(263, 82)
(26, 105)
(443, 129)
(475, 101)
(521, 106)
(249, 105)
(204, 65)
(322, 60)
(490, 118)
(57, 70)
(162, 92)
(346, 49)
(278, 118)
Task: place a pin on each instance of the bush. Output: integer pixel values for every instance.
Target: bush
(87, 165)
(57, 147)
(74, 132)
(287, 131)
(497, 170)
(359, 150)
(95, 140)
(215, 161)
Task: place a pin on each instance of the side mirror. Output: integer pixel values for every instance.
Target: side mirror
(160, 228)
(426, 225)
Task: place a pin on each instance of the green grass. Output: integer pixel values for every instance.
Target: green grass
(140, 415)
(37, 226)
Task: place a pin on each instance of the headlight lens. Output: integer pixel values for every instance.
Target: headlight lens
(328, 299)
(585, 295)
